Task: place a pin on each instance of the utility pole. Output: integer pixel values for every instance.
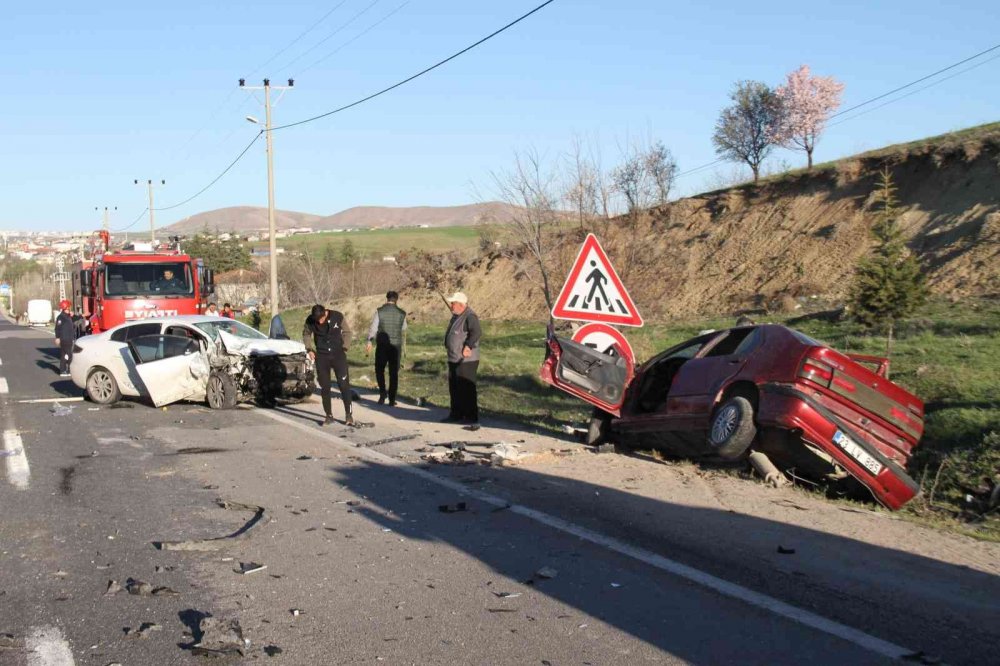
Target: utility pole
(106, 224)
(271, 230)
(152, 225)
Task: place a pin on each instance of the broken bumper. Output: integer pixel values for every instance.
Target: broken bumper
(785, 406)
(290, 376)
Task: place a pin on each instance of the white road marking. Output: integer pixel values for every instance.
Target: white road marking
(3, 385)
(714, 583)
(1, 361)
(37, 400)
(47, 647)
(18, 472)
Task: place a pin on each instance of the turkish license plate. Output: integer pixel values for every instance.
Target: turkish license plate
(858, 453)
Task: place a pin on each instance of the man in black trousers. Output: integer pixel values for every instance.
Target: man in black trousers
(386, 330)
(65, 336)
(462, 342)
(327, 337)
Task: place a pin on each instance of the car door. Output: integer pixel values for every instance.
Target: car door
(121, 362)
(586, 373)
(170, 367)
(699, 381)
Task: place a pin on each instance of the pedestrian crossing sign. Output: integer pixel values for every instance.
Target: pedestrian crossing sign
(594, 292)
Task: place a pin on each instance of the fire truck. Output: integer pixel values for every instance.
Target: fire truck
(139, 282)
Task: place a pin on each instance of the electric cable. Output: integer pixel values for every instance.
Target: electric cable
(355, 38)
(297, 39)
(341, 27)
(418, 74)
(216, 179)
(133, 222)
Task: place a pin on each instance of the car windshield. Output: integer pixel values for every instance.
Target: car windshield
(137, 279)
(232, 327)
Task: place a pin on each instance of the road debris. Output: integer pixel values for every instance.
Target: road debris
(272, 650)
(387, 440)
(113, 588)
(249, 568)
(453, 508)
(143, 589)
(503, 453)
(9, 642)
(546, 573)
(296, 612)
(507, 595)
(59, 409)
(785, 551)
(259, 518)
(143, 631)
(305, 457)
(219, 638)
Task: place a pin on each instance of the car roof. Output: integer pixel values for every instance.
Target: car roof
(178, 319)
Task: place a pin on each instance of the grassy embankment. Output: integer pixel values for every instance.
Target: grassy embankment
(383, 242)
(947, 354)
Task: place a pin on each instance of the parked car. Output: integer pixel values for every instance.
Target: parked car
(815, 412)
(192, 357)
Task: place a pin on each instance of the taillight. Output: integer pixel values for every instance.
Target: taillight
(816, 371)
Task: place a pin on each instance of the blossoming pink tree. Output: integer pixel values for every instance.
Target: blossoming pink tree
(807, 103)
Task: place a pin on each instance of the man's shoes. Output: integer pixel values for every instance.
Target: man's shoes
(381, 399)
(392, 403)
(329, 420)
(471, 426)
(350, 421)
(451, 418)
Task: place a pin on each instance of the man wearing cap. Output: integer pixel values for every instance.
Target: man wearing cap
(462, 343)
(65, 336)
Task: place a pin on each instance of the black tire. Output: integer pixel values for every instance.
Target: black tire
(102, 388)
(732, 429)
(597, 431)
(221, 392)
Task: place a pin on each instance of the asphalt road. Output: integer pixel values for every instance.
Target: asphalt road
(354, 538)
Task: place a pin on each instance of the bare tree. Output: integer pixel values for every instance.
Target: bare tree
(533, 228)
(661, 169)
(581, 187)
(745, 130)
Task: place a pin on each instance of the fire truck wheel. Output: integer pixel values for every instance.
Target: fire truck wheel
(102, 387)
(222, 391)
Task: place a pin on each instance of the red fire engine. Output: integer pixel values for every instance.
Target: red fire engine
(139, 282)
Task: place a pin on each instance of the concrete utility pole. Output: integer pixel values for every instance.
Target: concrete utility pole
(152, 225)
(271, 230)
(106, 224)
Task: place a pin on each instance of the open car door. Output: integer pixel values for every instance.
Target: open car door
(277, 331)
(171, 367)
(586, 373)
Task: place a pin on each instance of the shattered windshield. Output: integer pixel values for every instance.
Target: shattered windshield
(231, 327)
(138, 279)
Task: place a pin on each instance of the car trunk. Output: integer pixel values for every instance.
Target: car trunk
(889, 417)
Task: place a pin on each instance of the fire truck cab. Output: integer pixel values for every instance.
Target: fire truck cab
(139, 282)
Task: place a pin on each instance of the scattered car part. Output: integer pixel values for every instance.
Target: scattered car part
(201, 545)
(771, 475)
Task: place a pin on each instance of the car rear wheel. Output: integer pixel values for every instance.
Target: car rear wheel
(221, 393)
(733, 429)
(102, 387)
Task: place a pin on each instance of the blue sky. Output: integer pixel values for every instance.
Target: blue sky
(97, 94)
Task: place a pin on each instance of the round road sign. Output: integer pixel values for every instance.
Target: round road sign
(603, 338)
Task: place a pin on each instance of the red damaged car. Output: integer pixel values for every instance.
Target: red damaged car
(816, 413)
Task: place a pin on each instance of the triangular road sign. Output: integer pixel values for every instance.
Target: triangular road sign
(594, 292)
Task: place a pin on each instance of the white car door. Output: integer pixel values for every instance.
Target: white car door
(171, 367)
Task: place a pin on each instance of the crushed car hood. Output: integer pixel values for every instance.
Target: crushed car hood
(249, 347)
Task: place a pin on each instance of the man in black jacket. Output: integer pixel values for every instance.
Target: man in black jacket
(327, 337)
(65, 336)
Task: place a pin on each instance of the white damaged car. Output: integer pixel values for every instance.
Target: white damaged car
(193, 357)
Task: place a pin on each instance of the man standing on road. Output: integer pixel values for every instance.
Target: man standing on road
(65, 336)
(386, 330)
(326, 337)
(462, 342)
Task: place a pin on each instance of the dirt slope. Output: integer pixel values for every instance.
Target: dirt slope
(796, 236)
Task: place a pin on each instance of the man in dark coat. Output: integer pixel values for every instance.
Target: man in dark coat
(386, 330)
(327, 337)
(461, 340)
(65, 336)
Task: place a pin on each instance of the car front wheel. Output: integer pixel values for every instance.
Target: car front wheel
(221, 393)
(102, 387)
(733, 429)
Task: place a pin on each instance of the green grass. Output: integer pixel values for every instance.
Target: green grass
(947, 354)
(383, 242)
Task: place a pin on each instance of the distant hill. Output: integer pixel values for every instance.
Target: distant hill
(252, 218)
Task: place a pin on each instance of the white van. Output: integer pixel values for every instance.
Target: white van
(39, 312)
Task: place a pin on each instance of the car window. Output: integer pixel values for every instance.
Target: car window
(157, 347)
(230, 326)
(139, 279)
(689, 351)
(181, 331)
(126, 333)
(738, 341)
(121, 334)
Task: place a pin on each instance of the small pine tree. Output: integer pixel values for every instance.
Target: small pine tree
(889, 283)
(347, 252)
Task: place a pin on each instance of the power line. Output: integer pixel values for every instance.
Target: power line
(418, 74)
(133, 222)
(297, 39)
(341, 27)
(882, 96)
(355, 38)
(217, 178)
